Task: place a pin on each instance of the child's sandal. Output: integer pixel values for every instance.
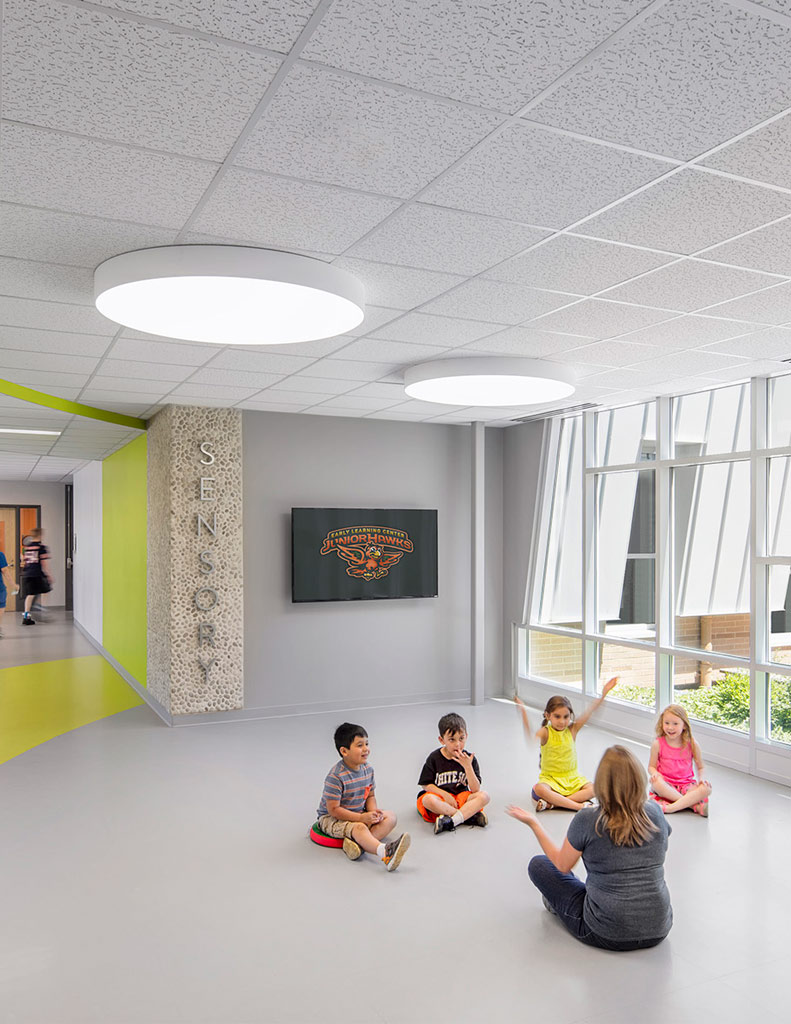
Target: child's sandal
(543, 805)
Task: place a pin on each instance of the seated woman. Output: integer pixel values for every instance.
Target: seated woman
(625, 903)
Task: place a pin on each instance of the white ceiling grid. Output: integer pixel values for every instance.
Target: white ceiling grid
(601, 183)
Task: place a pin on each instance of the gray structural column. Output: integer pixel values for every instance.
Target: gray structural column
(195, 570)
(478, 623)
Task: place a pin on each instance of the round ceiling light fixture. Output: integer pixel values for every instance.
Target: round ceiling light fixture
(489, 381)
(228, 295)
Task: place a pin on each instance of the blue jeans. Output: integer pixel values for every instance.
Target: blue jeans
(565, 895)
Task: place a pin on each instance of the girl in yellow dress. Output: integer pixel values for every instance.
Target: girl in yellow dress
(559, 782)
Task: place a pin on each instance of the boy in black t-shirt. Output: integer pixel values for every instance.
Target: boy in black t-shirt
(451, 791)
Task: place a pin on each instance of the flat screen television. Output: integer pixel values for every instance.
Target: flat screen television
(363, 554)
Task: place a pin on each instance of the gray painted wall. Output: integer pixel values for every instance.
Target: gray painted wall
(333, 655)
(52, 498)
(521, 465)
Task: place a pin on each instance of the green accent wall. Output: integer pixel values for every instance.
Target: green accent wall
(124, 488)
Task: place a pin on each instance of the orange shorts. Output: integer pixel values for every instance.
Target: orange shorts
(461, 800)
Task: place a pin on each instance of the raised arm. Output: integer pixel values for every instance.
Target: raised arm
(525, 720)
(585, 716)
(563, 857)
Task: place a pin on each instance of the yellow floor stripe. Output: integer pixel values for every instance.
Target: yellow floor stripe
(39, 702)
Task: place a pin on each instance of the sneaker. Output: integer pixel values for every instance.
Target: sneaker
(352, 850)
(27, 621)
(395, 850)
(479, 819)
(444, 823)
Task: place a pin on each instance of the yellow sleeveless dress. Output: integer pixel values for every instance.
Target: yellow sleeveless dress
(559, 763)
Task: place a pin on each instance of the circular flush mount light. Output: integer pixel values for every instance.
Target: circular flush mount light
(228, 294)
(484, 381)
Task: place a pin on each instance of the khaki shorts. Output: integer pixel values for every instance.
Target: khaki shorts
(335, 827)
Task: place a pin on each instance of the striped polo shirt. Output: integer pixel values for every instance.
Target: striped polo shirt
(351, 788)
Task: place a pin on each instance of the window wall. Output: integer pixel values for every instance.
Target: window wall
(663, 556)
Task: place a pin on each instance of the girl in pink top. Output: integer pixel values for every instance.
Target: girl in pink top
(670, 770)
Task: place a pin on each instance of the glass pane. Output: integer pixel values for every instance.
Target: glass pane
(626, 553)
(712, 422)
(560, 600)
(779, 412)
(778, 537)
(636, 670)
(556, 658)
(779, 614)
(714, 694)
(711, 512)
(780, 708)
(626, 435)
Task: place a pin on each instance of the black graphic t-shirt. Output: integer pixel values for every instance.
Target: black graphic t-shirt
(33, 555)
(445, 773)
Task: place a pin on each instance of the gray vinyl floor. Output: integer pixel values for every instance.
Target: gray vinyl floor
(156, 875)
(53, 637)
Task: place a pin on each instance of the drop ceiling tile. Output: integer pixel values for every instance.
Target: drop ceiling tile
(694, 361)
(524, 341)
(324, 410)
(295, 400)
(307, 349)
(690, 285)
(26, 279)
(685, 385)
(441, 239)
(128, 403)
(424, 409)
(159, 373)
(765, 155)
(228, 394)
(583, 266)
(378, 351)
(145, 348)
(347, 131)
(349, 370)
(768, 248)
(274, 26)
(257, 405)
(28, 233)
(54, 316)
(633, 378)
(279, 211)
(319, 386)
(234, 378)
(689, 211)
(668, 85)
(419, 328)
(258, 362)
(750, 368)
(12, 360)
(528, 174)
(32, 340)
(89, 72)
(397, 287)
(596, 318)
(47, 380)
(356, 403)
(690, 332)
(771, 306)
(774, 343)
(606, 353)
(498, 301)
(393, 414)
(393, 392)
(86, 176)
(437, 46)
(154, 389)
(375, 317)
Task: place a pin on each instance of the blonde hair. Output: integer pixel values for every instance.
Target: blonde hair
(556, 702)
(619, 786)
(679, 712)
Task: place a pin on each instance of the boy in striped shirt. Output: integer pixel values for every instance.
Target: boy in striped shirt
(348, 808)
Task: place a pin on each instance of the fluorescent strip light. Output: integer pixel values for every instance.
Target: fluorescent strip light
(13, 430)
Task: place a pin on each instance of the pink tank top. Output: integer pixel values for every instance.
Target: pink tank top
(674, 764)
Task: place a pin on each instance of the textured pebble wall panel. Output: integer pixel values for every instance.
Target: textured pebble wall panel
(202, 655)
(158, 542)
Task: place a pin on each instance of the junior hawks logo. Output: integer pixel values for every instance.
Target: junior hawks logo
(371, 551)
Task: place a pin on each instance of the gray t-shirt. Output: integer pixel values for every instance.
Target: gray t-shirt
(626, 893)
